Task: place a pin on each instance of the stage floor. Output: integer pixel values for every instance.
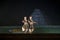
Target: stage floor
(38, 30)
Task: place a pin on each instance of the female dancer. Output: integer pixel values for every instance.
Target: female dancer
(31, 23)
(25, 26)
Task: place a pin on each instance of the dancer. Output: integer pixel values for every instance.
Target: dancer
(25, 26)
(31, 24)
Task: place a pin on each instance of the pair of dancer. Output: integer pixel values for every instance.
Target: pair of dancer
(28, 25)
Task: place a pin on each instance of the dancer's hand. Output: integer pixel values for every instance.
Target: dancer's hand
(35, 22)
(23, 21)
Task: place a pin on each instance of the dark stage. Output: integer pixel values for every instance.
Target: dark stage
(29, 36)
(39, 33)
(45, 12)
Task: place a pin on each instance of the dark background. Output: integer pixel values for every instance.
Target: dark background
(11, 10)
